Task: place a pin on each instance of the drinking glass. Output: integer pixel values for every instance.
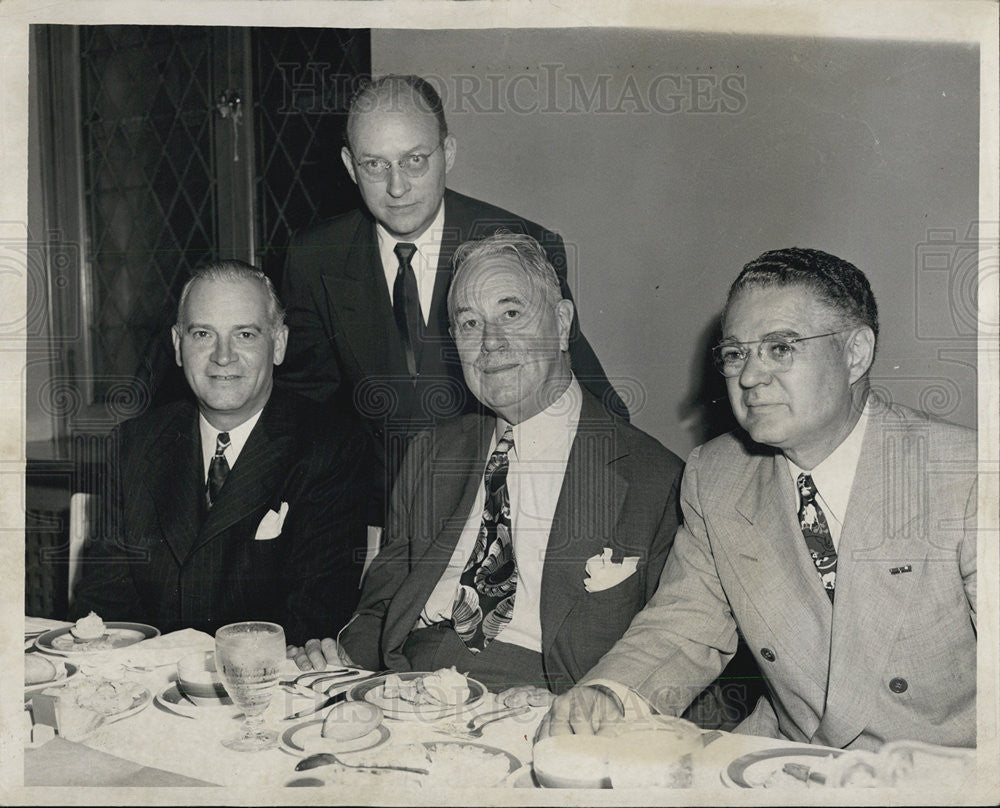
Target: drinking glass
(249, 657)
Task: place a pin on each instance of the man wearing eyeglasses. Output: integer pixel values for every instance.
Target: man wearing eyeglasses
(835, 532)
(366, 292)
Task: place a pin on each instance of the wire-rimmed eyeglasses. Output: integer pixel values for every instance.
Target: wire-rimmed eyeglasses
(774, 353)
(412, 165)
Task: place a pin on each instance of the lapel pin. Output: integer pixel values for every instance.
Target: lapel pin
(897, 570)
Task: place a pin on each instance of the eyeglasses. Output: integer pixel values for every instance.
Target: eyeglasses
(775, 353)
(413, 165)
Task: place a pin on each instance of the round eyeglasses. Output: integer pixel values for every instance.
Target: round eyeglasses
(776, 354)
(413, 165)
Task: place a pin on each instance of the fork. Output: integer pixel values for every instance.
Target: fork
(475, 730)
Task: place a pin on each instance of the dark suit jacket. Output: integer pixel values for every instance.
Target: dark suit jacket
(344, 344)
(620, 491)
(161, 557)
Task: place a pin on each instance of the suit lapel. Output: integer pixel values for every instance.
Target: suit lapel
(174, 476)
(457, 473)
(767, 551)
(257, 473)
(870, 602)
(586, 514)
(357, 294)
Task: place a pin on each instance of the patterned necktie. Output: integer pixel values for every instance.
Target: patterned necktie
(816, 532)
(484, 602)
(217, 469)
(406, 304)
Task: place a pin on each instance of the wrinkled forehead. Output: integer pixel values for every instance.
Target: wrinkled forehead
(495, 279)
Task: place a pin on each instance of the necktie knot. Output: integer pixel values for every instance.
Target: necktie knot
(404, 252)
(807, 489)
(221, 443)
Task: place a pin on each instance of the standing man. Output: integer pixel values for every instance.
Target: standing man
(835, 532)
(521, 542)
(240, 505)
(366, 291)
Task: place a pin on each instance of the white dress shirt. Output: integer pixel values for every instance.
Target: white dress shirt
(834, 477)
(536, 468)
(424, 260)
(237, 439)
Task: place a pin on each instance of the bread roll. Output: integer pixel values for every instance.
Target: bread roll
(38, 669)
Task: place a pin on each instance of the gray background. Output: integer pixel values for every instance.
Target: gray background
(866, 149)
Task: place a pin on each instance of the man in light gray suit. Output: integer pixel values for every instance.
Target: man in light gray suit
(835, 532)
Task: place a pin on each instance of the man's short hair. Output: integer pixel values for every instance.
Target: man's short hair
(397, 90)
(836, 282)
(522, 248)
(234, 271)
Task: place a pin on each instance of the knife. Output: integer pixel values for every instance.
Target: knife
(334, 699)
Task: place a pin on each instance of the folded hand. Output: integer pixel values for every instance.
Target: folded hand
(317, 654)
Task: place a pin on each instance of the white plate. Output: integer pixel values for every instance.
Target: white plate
(60, 641)
(173, 701)
(64, 672)
(754, 769)
(307, 739)
(371, 691)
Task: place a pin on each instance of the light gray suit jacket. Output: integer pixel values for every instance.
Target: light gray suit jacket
(895, 657)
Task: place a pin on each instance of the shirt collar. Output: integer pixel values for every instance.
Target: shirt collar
(834, 475)
(428, 244)
(550, 431)
(237, 437)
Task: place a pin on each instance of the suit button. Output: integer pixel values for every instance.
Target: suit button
(898, 684)
(768, 654)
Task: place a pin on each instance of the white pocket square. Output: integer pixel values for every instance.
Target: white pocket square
(603, 573)
(270, 525)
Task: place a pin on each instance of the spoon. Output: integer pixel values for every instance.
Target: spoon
(326, 758)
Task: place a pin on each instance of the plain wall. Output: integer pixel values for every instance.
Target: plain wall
(668, 160)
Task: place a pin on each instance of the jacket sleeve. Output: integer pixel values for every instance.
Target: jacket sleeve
(310, 367)
(322, 573)
(106, 585)
(686, 634)
(362, 637)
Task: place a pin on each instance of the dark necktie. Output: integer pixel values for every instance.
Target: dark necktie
(816, 532)
(218, 468)
(484, 603)
(406, 304)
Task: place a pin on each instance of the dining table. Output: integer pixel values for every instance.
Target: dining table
(169, 742)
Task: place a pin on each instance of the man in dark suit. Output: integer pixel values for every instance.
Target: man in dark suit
(366, 291)
(241, 505)
(528, 572)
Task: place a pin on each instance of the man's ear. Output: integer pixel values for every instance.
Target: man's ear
(175, 335)
(280, 343)
(345, 155)
(564, 313)
(450, 149)
(860, 352)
